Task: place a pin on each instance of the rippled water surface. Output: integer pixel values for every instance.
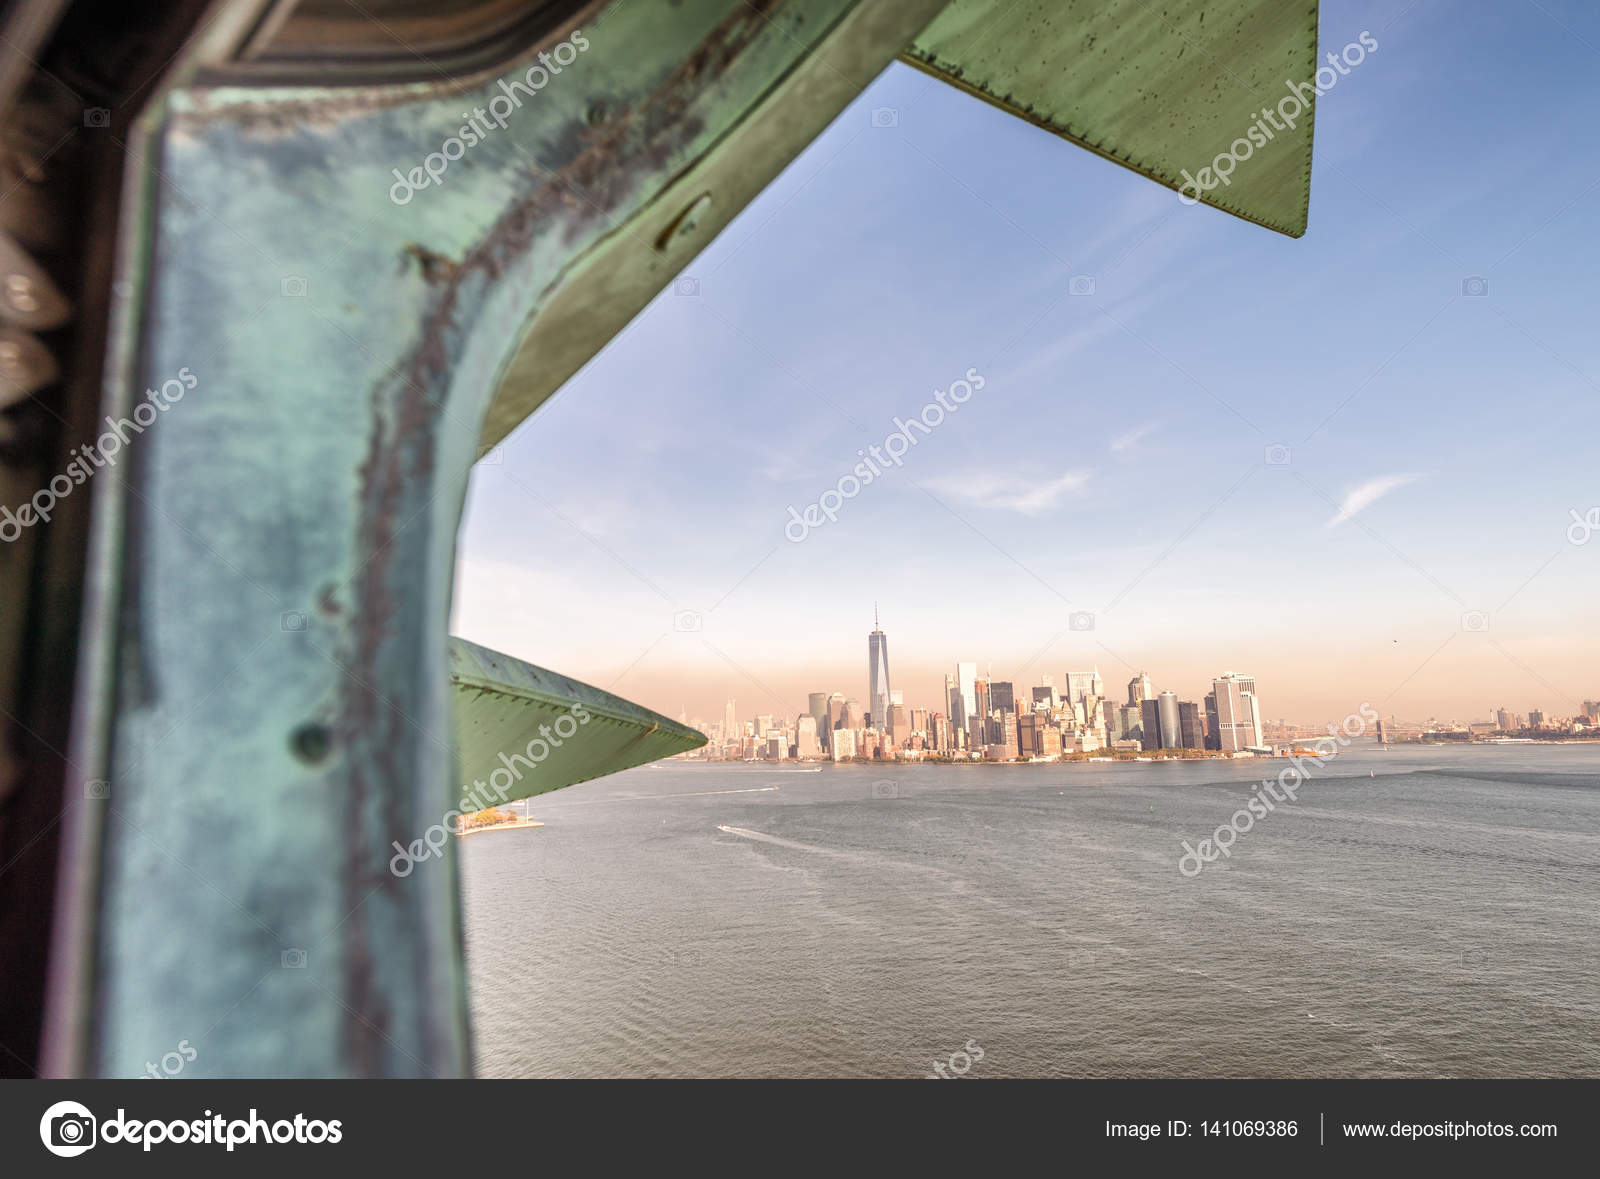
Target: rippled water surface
(1440, 917)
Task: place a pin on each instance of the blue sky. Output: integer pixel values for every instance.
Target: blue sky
(1116, 461)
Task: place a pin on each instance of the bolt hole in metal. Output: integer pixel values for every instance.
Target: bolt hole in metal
(311, 743)
(685, 223)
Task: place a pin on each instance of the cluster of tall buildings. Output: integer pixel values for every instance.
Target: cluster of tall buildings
(999, 720)
(1503, 724)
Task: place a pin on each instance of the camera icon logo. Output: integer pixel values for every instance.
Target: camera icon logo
(1081, 284)
(293, 286)
(688, 621)
(686, 285)
(1277, 455)
(97, 116)
(1474, 285)
(67, 1129)
(292, 960)
(885, 788)
(1080, 620)
(97, 788)
(292, 620)
(1475, 620)
(885, 116)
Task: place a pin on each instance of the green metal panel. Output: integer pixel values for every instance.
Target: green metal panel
(266, 697)
(1161, 88)
(522, 730)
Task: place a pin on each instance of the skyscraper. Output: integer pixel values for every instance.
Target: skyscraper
(805, 736)
(729, 723)
(1238, 712)
(899, 726)
(878, 673)
(1191, 732)
(1002, 696)
(851, 718)
(1171, 725)
(817, 706)
(966, 694)
(1140, 689)
(1081, 684)
(1150, 724)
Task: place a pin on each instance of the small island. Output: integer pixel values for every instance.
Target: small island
(492, 819)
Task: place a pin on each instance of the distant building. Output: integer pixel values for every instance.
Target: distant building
(1081, 684)
(878, 672)
(844, 744)
(966, 694)
(1140, 689)
(1150, 724)
(1238, 712)
(852, 717)
(899, 724)
(1535, 718)
(1190, 728)
(805, 735)
(1503, 721)
(1171, 726)
(1002, 696)
(1029, 725)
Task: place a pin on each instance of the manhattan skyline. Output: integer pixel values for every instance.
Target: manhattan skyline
(1349, 463)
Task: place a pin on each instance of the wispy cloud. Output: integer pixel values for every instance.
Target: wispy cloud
(1014, 495)
(1132, 436)
(1367, 494)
